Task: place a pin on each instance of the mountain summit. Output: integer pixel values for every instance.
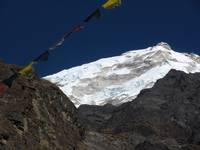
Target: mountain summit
(120, 79)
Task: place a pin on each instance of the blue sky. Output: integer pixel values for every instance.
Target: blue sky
(28, 28)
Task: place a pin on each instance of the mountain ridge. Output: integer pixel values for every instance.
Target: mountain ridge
(119, 79)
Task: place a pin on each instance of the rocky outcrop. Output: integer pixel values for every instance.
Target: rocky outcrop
(36, 115)
(166, 117)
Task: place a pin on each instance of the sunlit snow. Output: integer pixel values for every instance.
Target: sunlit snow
(121, 78)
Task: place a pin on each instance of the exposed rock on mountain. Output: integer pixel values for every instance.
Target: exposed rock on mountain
(117, 80)
(166, 117)
(36, 115)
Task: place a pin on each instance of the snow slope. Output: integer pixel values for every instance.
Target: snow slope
(121, 78)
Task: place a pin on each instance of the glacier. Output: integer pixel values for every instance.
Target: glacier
(119, 79)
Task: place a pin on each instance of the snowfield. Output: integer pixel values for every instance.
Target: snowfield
(121, 78)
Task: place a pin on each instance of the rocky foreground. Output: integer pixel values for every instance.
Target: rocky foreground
(36, 115)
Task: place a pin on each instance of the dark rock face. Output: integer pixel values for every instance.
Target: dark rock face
(166, 117)
(36, 115)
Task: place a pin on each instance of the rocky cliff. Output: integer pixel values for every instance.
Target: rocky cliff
(166, 117)
(36, 115)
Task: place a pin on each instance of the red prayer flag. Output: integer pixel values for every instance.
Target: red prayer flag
(3, 88)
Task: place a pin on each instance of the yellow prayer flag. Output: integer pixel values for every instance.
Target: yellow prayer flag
(27, 69)
(111, 4)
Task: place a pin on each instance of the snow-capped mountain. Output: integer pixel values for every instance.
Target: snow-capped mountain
(121, 78)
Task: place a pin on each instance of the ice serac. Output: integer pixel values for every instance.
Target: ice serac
(120, 79)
